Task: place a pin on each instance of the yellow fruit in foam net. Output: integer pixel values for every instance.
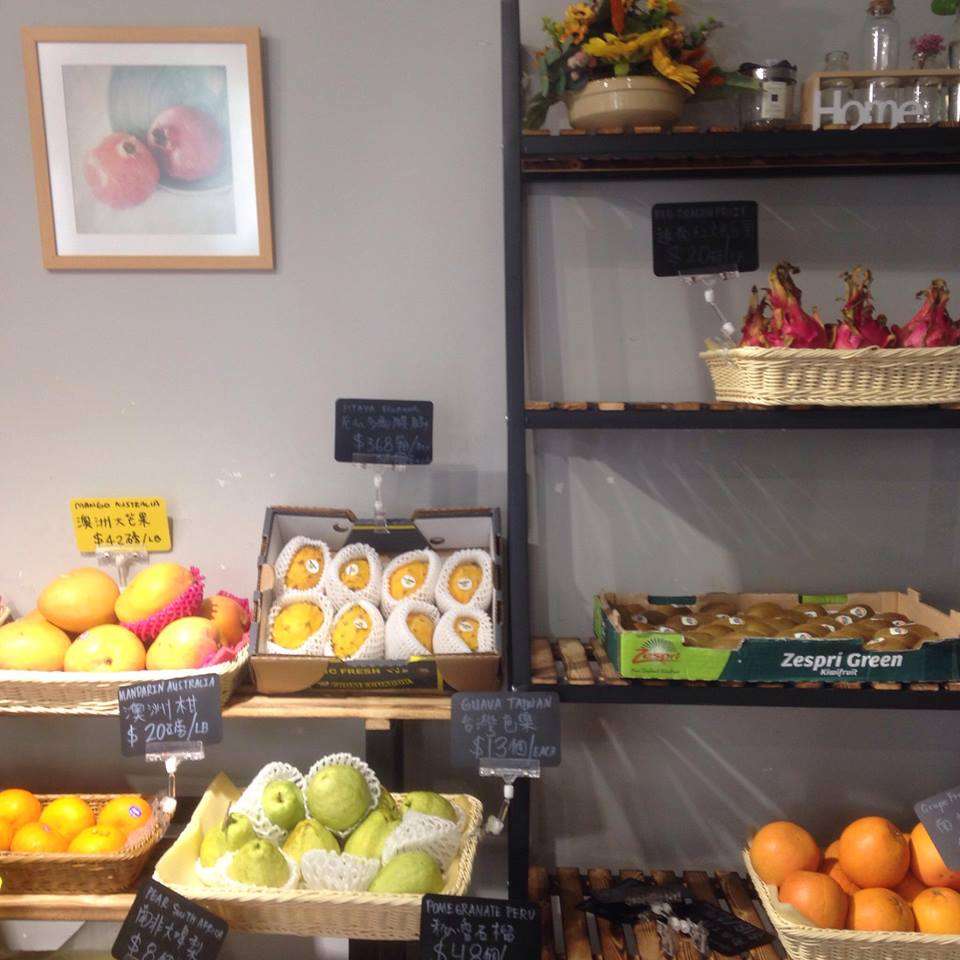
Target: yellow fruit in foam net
(467, 629)
(408, 578)
(295, 623)
(355, 574)
(421, 626)
(464, 581)
(306, 568)
(351, 630)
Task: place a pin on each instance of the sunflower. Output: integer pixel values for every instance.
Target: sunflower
(680, 73)
(622, 51)
(576, 22)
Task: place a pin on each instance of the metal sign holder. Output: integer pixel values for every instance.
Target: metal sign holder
(509, 771)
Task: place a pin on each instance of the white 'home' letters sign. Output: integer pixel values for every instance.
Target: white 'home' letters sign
(856, 114)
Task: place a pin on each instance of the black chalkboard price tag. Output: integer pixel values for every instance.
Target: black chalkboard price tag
(470, 928)
(691, 239)
(941, 816)
(487, 727)
(162, 925)
(160, 716)
(397, 432)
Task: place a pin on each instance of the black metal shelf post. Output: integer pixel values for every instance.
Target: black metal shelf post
(630, 156)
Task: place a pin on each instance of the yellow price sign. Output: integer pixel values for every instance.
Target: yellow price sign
(121, 523)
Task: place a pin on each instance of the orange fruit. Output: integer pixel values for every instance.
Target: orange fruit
(231, 619)
(817, 897)
(37, 838)
(79, 600)
(68, 816)
(32, 645)
(909, 888)
(98, 839)
(833, 851)
(781, 848)
(925, 861)
(874, 853)
(6, 835)
(937, 910)
(126, 813)
(833, 870)
(879, 909)
(18, 807)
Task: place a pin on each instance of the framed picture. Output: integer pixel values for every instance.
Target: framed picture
(149, 147)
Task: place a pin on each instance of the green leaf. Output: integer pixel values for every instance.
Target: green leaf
(544, 84)
(536, 113)
(551, 56)
(945, 8)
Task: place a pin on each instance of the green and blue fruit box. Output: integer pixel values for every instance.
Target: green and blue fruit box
(650, 655)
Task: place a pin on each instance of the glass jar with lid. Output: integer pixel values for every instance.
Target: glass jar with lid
(837, 61)
(770, 102)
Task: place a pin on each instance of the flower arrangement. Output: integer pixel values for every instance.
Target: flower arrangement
(925, 47)
(619, 38)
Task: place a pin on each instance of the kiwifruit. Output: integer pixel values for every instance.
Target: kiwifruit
(719, 606)
(765, 610)
(923, 632)
(683, 622)
(780, 623)
(653, 617)
(888, 617)
(797, 633)
(755, 627)
(858, 611)
(829, 625)
(726, 641)
(811, 610)
(735, 620)
(850, 632)
(892, 638)
(717, 628)
(669, 610)
(793, 616)
(699, 639)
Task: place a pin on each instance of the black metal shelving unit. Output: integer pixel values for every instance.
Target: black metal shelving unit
(536, 157)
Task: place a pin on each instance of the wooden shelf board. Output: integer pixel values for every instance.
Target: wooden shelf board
(254, 705)
(64, 906)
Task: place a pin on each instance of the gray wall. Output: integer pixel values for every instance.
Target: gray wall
(216, 391)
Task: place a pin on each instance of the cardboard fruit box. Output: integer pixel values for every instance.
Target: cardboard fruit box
(650, 655)
(444, 531)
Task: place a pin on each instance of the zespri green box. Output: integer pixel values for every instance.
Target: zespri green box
(649, 655)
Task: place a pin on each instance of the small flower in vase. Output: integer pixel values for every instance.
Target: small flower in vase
(926, 47)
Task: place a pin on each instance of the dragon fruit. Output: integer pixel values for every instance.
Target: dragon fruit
(754, 333)
(931, 326)
(859, 326)
(791, 326)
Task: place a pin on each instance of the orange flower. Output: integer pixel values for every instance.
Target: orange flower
(705, 67)
(692, 56)
(618, 15)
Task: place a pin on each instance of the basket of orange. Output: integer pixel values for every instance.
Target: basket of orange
(92, 843)
(875, 893)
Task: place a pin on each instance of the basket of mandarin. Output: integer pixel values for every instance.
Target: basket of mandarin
(75, 843)
(87, 637)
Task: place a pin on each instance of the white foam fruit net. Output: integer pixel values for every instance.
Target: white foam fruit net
(373, 647)
(338, 591)
(251, 800)
(426, 589)
(317, 644)
(482, 596)
(401, 644)
(349, 760)
(289, 551)
(447, 640)
(326, 870)
(433, 835)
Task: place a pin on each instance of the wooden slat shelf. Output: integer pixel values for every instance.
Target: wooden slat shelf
(557, 892)
(248, 704)
(580, 671)
(35, 906)
(693, 415)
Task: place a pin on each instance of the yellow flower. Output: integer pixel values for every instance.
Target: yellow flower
(576, 21)
(671, 6)
(680, 73)
(625, 49)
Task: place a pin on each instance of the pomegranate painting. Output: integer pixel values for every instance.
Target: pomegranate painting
(121, 171)
(187, 143)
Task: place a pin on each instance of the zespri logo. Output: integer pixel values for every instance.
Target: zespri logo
(828, 663)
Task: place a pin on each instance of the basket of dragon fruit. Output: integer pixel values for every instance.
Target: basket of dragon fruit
(789, 356)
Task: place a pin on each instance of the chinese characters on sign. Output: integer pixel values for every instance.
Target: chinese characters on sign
(941, 816)
(703, 238)
(509, 726)
(162, 925)
(164, 713)
(470, 928)
(396, 432)
(121, 524)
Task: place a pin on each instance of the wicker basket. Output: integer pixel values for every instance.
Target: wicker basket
(78, 873)
(803, 942)
(307, 913)
(870, 377)
(35, 691)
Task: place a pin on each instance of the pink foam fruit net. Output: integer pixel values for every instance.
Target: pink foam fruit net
(186, 605)
(226, 654)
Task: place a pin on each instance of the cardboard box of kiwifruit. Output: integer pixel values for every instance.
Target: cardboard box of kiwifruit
(444, 532)
(885, 636)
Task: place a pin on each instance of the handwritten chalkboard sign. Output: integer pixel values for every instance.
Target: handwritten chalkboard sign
(941, 816)
(486, 727)
(703, 238)
(470, 928)
(161, 715)
(396, 432)
(162, 925)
